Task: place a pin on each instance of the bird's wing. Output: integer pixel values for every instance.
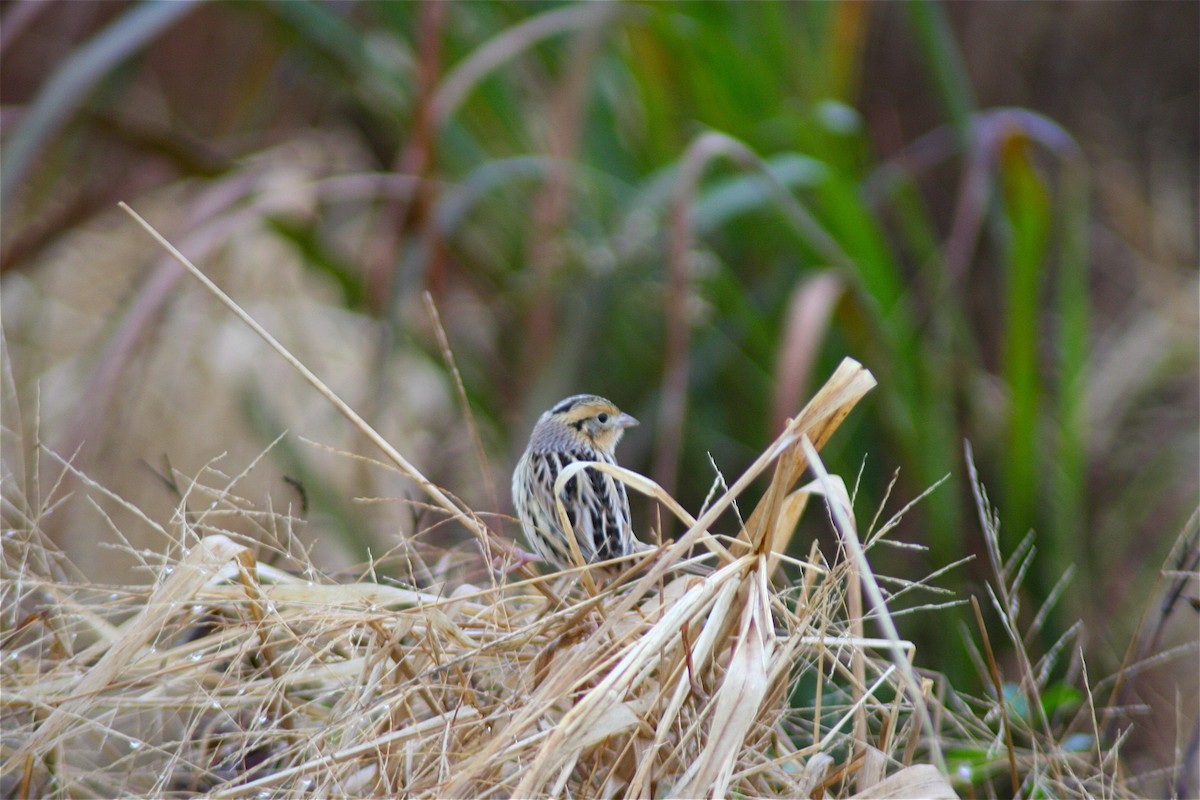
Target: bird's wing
(596, 504)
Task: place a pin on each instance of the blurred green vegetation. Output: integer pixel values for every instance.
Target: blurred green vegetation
(646, 200)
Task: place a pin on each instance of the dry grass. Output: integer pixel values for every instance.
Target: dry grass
(232, 677)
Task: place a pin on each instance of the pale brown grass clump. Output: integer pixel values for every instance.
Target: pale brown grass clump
(232, 677)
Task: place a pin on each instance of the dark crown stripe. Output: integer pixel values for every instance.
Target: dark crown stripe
(568, 404)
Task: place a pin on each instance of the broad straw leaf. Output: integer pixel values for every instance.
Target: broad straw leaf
(738, 700)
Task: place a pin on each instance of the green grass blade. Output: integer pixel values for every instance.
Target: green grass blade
(1027, 213)
(938, 46)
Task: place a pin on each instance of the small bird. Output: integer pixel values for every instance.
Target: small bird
(580, 428)
(585, 427)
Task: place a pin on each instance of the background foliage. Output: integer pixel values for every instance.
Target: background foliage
(696, 209)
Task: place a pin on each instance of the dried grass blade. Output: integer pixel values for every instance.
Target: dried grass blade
(738, 701)
(639, 483)
(790, 512)
(918, 782)
(818, 420)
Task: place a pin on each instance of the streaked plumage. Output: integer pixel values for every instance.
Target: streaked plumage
(580, 428)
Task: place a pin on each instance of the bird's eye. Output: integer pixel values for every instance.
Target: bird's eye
(602, 418)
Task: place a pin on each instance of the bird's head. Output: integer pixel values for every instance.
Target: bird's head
(585, 419)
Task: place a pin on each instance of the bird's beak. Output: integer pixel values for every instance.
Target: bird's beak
(625, 421)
